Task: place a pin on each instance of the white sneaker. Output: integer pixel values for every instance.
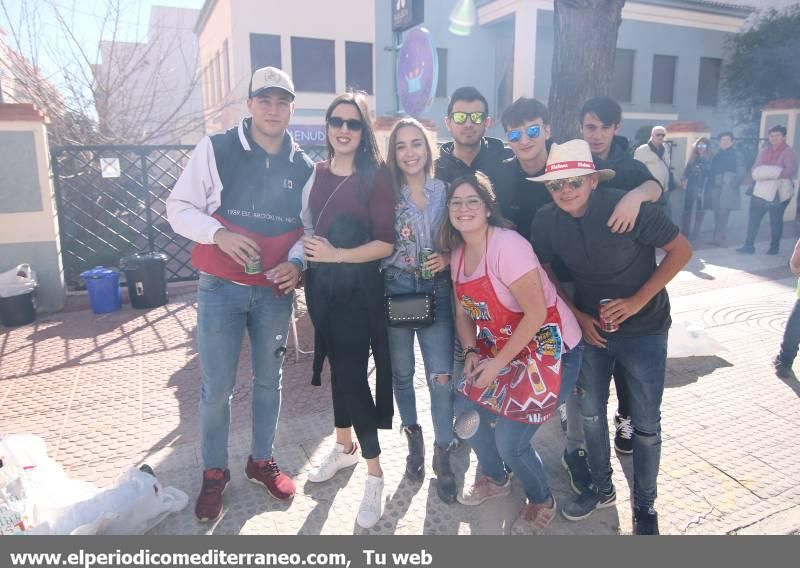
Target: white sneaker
(335, 460)
(370, 511)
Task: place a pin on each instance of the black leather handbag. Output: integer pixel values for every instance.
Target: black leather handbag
(410, 310)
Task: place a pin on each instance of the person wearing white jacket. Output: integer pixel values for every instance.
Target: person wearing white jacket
(774, 172)
(656, 157)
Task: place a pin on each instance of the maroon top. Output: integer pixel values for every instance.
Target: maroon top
(374, 206)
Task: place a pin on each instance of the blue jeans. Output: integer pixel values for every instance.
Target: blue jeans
(224, 311)
(644, 358)
(570, 370)
(508, 443)
(436, 344)
(501, 442)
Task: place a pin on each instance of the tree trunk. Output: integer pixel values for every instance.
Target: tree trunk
(583, 59)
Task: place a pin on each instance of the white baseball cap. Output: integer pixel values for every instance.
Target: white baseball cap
(270, 78)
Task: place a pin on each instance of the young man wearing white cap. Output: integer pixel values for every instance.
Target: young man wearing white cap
(239, 200)
(619, 271)
(655, 156)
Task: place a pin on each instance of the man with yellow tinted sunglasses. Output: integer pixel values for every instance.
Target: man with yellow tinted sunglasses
(467, 120)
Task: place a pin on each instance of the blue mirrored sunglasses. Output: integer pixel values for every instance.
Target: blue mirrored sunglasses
(532, 131)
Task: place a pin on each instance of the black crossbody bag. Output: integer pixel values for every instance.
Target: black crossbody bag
(413, 311)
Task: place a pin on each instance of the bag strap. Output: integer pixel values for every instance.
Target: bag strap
(334, 192)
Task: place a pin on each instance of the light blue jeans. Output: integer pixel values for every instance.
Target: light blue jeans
(224, 311)
(436, 344)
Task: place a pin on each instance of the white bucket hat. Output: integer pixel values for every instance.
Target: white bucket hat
(571, 159)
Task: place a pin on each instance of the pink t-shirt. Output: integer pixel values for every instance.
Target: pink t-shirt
(511, 256)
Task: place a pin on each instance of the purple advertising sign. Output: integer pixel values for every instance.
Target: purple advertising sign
(417, 72)
(305, 134)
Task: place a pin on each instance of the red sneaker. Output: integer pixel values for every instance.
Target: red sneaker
(268, 474)
(209, 503)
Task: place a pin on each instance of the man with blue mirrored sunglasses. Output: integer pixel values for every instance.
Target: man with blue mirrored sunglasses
(527, 126)
(532, 131)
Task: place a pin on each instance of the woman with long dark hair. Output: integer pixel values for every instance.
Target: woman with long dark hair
(350, 209)
(695, 180)
(522, 346)
(415, 267)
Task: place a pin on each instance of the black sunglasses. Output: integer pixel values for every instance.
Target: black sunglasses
(352, 123)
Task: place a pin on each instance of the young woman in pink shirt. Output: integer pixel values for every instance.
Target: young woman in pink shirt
(522, 345)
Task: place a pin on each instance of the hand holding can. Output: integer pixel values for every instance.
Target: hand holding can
(608, 325)
(424, 254)
(253, 265)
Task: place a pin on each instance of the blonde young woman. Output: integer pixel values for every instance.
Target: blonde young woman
(421, 207)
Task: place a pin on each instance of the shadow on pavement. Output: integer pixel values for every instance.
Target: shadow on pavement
(682, 371)
(792, 382)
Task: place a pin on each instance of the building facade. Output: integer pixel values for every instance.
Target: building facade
(667, 65)
(324, 47)
(149, 92)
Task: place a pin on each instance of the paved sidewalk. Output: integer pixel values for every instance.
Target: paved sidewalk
(111, 391)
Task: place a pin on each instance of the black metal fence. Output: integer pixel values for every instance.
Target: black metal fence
(112, 202)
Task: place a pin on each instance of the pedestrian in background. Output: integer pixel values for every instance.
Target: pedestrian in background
(695, 180)
(774, 172)
(782, 363)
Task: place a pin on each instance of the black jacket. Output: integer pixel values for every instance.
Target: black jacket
(489, 161)
(629, 172)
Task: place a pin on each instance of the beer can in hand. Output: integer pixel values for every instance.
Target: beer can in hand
(253, 266)
(608, 325)
(424, 255)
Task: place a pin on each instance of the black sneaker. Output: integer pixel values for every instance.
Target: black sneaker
(577, 466)
(585, 504)
(623, 439)
(645, 521)
(746, 250)
(781, 369)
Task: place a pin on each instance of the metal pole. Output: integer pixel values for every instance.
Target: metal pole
(54, 154)
(147, 211)
(398, 39)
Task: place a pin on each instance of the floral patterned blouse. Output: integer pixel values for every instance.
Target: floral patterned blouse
(416, 228)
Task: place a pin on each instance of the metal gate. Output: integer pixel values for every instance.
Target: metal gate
(112, 202)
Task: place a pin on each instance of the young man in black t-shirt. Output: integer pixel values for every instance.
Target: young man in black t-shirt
(620, 267)
(600, 121)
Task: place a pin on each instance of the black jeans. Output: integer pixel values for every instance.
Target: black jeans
(758, 208)
(791, 337)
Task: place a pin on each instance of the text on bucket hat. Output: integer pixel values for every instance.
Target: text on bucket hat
(270, 78)
(571, 159)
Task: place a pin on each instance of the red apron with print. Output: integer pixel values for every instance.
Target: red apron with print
(526, 390)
